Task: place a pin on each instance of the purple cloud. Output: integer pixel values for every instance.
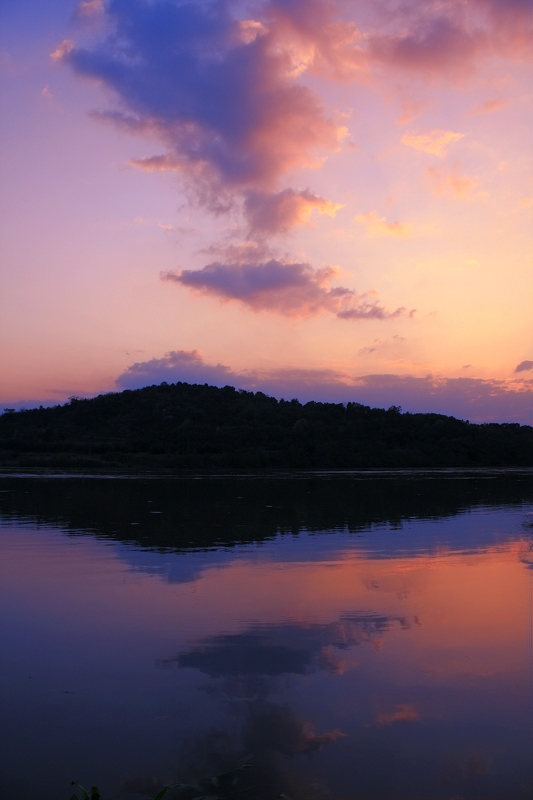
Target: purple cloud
(465, 398)
(187, 366)
(211, 86)
(524, 365)
(286, 287)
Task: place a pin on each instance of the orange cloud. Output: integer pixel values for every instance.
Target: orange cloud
(164, 163)
(378, 226)
(406, 712)
(435, 142)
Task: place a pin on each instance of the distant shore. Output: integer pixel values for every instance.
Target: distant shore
(289, 474)
(179, 428)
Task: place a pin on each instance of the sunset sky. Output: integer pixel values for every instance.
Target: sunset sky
(321, 199)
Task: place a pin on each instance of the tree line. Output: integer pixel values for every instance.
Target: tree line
(193, 426)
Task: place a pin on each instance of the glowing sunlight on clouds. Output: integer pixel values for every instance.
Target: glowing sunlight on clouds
(264, 147)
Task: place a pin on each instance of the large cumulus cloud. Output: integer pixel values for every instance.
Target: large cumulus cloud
(218, 82)
(217, 90)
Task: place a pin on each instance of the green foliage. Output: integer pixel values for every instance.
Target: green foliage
(190, 426)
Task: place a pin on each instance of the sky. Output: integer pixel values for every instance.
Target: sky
(322, 199)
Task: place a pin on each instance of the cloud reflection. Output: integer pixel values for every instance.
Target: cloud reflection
(285, 649)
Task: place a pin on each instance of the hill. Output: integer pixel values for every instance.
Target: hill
(184, 426)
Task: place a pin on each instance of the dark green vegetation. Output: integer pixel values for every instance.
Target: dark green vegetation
(183, 426)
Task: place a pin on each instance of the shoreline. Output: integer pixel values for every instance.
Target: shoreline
(289, 474)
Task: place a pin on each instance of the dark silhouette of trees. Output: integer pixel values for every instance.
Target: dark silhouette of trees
(191, 426)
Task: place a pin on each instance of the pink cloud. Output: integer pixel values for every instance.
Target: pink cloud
(290, 288)
(316, 38)
(269, 213)
(434, 44)
(451, 181)
(163, 163)
(62, 51)
(410, 109)
(448, 38)
(488, 107)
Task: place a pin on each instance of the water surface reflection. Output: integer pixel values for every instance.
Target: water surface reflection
(362, 639)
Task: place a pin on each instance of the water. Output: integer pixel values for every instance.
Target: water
(360, 637)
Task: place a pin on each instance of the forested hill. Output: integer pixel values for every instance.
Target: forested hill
(184, 426)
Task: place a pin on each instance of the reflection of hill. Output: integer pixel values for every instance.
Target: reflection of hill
(187, 513)
(178, 426)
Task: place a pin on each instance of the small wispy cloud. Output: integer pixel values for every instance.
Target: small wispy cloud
(407, 712)
(410, 109)
(488, 107)
(163, 163)
(62, 50)
(524, 366)
(451, 182)
(435, 142)
(90, 8)
(378, 226)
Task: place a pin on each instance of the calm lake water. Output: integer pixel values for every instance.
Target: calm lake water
(360, 637)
